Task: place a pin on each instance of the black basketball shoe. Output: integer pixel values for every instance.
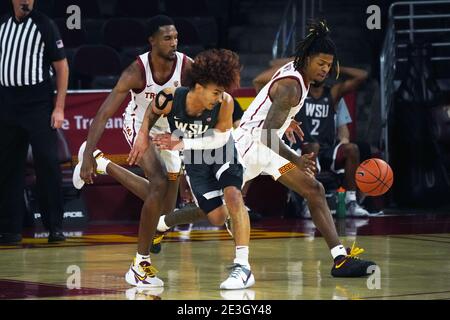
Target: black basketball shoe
(350, 266)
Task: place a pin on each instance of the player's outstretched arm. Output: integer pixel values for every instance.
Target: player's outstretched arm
(219, 137)
(131, 78)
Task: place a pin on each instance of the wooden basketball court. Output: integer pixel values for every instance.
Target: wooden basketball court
(289, 260)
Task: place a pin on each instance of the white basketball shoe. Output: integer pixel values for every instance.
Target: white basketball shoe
(240, 277)
(355, 210)
(143, 275)
(102, 162)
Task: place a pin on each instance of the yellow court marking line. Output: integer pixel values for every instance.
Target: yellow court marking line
(173, 236)
(216, 234)
(11, 247)
(104, 238)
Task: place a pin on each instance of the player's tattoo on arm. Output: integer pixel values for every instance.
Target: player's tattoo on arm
(150, 119)
(284, 96)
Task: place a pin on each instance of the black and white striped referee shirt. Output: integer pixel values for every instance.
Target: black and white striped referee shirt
(27, 49)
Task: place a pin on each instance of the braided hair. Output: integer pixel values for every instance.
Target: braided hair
(317, 41)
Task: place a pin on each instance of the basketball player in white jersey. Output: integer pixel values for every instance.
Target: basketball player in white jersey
(153, 71)
(259, 140)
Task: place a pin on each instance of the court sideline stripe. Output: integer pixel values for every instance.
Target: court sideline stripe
(430, 240)
(436, 236)
(404, 295)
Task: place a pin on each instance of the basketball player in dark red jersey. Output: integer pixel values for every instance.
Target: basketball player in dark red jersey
(153, 71)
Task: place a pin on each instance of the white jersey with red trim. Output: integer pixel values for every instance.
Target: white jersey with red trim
(140, 99)
(253, 118)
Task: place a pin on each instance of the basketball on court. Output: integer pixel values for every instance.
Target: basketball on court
(374, 177)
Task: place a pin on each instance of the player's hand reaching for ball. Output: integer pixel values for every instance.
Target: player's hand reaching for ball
(307, 164)
(167, 141)
(139, 148)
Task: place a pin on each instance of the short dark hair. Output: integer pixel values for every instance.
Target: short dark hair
(156, 22)
(317, 41)
(218, 66)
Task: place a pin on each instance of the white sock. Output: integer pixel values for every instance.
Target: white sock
(242, 256)
(162, 226)
(140, 258)
(102, 162)
(350, 196)
(339, 250)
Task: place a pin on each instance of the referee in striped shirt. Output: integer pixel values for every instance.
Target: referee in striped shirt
(30, 45)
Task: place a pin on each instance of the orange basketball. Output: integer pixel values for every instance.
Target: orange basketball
(374, 177)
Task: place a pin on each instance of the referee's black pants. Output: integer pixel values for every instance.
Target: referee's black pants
(24, 125)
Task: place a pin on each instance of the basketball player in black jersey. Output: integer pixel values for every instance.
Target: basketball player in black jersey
(318, 123)
(201, 115)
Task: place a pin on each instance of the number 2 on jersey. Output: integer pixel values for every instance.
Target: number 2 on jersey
(316, 125)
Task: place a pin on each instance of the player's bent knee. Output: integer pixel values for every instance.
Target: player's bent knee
(233, 199)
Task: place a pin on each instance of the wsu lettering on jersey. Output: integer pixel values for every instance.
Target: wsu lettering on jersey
(317, 110)
(191, 130)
